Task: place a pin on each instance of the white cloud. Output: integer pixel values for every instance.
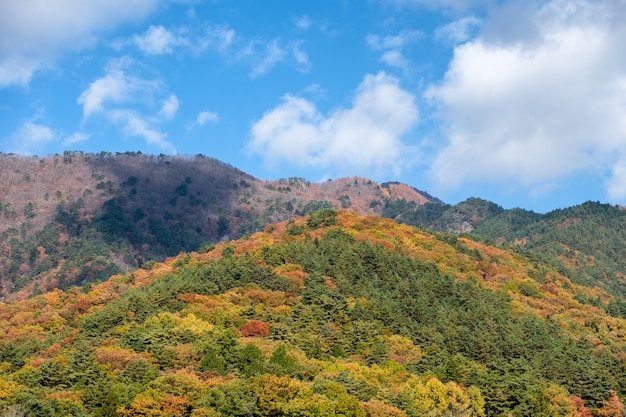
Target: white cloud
(259, 54)
(34, 32)
(111, 95)
(133, 125)
(301, 57)
(455, 5)
(394, 58)
(315, 90)
(402, 39)
(203, 118)
(31, 137)
(366, 136)
(74, 138)
(264, 55)
(158, 41)
(206, 116)
(17, 70)
(392, 45)
(219, 37)
(115, 87)
(303, 23)
(616, 183)
(169, 107)
(458, 31)
(542, 103)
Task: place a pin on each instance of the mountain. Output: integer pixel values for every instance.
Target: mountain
(586, 242)
(460, 218)
(331, 314)
(77, 217)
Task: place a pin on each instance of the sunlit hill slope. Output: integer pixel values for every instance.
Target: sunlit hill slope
(331, 314)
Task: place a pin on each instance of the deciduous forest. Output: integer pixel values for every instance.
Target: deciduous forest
(332, 314)
(137, 285)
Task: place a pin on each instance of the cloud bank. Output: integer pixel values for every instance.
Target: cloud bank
(539, 102)
(34, 32)
(365, 136)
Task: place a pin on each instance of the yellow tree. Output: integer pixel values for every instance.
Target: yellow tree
(429, 396)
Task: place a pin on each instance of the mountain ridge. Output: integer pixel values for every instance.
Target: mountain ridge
(77, 217)
(585, 242)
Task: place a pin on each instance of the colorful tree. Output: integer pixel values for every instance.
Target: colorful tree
(428, 395)
(612, 406)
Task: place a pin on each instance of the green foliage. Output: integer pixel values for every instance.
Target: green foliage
(250, 360)
(321, 218)
(213, 361)
(139, 372)
(236, 398)
(313, 206)
(223, 224)
(280, 363)
(355, 328)
(584, 242)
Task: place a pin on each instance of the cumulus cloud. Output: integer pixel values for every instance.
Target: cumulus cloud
(616, 183)
(366, 136)
(542, 103)
(110, 96)
(115, 87)
(17, 70)
(34, 32)
(158, 41)
(31, 137)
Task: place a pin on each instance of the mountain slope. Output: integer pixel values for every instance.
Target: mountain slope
(586, 242)
(333, 314)
(76, 218)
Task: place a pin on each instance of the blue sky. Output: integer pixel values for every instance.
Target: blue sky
(522, 102)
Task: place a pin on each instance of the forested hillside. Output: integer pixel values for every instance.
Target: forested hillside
(586, 242)
(76, 218)
(332, 314)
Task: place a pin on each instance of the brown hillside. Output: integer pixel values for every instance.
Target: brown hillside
(72, 218)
